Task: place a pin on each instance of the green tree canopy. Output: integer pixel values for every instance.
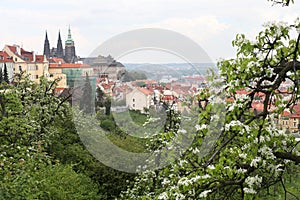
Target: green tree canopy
(86, 99)
(28, 112)
(5, 74)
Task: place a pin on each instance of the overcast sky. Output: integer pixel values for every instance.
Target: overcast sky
(213, 24)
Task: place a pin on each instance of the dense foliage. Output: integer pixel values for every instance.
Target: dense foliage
(29, 113)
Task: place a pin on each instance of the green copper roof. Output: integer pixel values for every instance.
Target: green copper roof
(70, 40)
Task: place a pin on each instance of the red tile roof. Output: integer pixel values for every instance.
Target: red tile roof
(4, 57)
(56, 60)
(285, 113)
(39, 58)
(169, 98)
(27, 54)
(105, 86)
(296, 108)
(100, 80)
(12, 48)
(145, 91)
(242, 92)
(257, 105)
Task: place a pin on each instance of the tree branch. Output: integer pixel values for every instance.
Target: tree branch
(288, 156)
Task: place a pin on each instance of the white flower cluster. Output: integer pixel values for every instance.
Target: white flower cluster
(255, 162)
(276, 168)
(251, 65)
(211, 167)
(204, 193)
(189, 181)
(181, 131)
(166, 181)
(249, 190)
(243, 155)
(242, 97)
(241, 171)
(234, 105)
(182, 162)
(278, 27)
(238, 123)
(267, 152)
(195, 151)
(199, 128)
(262, 139)
(234, 83)
(163, 196)
(252, 182)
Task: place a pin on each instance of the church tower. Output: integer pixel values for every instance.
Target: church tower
(70, 54)
(46, 47)
(59, 49)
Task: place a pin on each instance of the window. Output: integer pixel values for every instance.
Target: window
(32, 77)
(133, 105)
(133, 100)
(295, 124)
(33, 68)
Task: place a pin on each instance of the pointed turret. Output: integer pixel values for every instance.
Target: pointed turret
(59, 49)
(69, 41)
(70, 54)
(46, 47)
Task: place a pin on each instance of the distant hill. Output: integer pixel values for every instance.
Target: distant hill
(177, 70)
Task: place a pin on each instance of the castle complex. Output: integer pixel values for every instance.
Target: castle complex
(58, 63)
(68, 54)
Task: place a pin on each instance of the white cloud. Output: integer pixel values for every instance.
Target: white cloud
(213, 24)
(201, 29)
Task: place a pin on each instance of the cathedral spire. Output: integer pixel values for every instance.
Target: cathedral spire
(46, 46)
(59, 49)
(70, 53)
(69, 41)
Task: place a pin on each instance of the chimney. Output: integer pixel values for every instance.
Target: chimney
(18, 49)
(33, 56)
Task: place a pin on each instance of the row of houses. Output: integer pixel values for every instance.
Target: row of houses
(18, 60)
(289, 119)
(145, 94)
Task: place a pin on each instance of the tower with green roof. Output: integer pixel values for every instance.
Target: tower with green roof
(70, 54)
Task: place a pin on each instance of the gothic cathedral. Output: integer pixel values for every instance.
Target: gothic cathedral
(68, 54)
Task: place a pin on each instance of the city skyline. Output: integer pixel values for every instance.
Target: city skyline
(212, 24)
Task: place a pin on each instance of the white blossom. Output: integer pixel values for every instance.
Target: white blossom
(182, 131)
(232, 124)
(205, 193)
(163, 195)
(166, 181)
(249, 190)
(211, 167)
(255, 161)
(195, 151)
(241, 171)
(243, 155)
(182, 162)
(267, 151)
(253, 181)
